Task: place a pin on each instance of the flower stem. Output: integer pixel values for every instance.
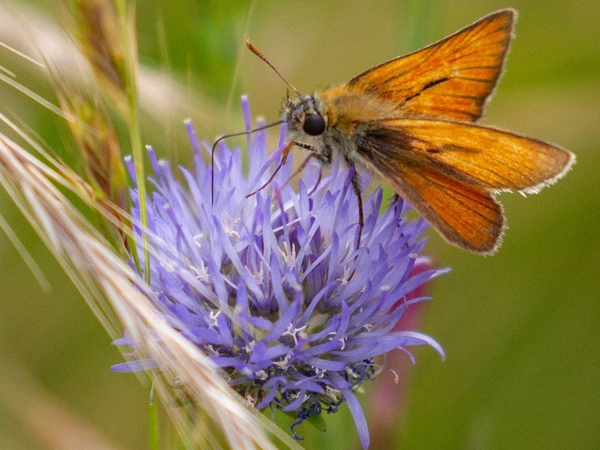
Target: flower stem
(153, 439)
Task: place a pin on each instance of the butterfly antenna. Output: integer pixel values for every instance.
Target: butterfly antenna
(258, 53)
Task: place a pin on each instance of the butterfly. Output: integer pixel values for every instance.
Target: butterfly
(412, 122)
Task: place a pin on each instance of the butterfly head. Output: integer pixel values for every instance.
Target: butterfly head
(305, 114)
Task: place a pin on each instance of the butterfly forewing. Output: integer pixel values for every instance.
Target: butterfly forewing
(494, 159)
(449, 172)
(449, 79)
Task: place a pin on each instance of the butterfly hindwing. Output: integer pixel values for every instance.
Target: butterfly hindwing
(464, 214)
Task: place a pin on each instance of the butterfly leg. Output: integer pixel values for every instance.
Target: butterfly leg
(325, 156)
(284, 154)
(361, 216)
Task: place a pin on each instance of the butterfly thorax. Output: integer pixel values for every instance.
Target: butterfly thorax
(334, 118)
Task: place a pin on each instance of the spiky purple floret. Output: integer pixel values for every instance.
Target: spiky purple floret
(271, 286)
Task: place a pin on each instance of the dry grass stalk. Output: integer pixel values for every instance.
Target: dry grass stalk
(109, 46)
(162, 97)
(96, 141)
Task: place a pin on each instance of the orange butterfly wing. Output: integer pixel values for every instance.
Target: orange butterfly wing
(450, 171)
(493, 159)
(449, 79)
(464, 214)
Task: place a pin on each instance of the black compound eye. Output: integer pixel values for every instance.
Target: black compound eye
(314, 124)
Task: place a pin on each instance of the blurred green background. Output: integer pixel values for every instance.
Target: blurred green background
(521, 329)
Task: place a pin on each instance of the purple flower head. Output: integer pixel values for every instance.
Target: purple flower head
(271, 286)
